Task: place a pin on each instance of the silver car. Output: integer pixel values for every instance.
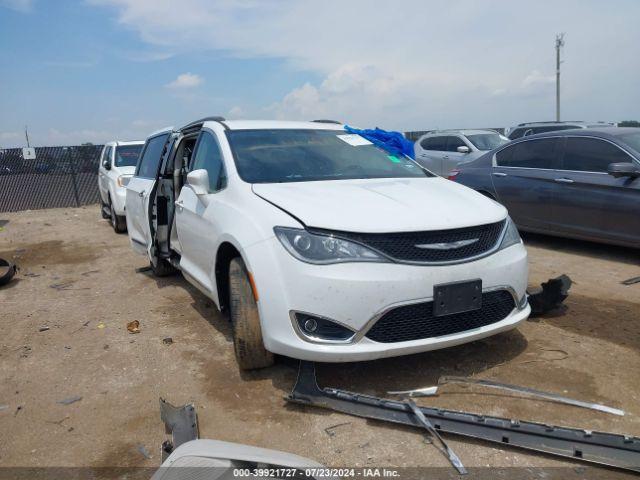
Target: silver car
(444, 150)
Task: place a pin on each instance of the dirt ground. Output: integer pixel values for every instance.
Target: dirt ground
(79, 279)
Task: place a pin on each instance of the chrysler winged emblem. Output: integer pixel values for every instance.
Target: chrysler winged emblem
(447, 245)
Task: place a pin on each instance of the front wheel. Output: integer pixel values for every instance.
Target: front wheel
(104, 210)
(119, 223)
(245, 320)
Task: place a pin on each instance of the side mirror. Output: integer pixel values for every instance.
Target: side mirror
(198, 180)
(463, 149)
(106, 164)
(624, 169)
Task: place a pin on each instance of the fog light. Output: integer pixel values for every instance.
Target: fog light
(310, 325)
(317, 328)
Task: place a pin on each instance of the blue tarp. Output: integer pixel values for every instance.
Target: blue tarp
(392, 142)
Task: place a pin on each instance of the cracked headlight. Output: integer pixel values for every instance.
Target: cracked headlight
(511, 237)
(323, 249)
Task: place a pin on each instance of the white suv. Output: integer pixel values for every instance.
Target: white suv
(117, 164)
(322, 246)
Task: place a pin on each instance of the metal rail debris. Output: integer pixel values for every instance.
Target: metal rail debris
(430, 391)
(610, 449)
(440, 443)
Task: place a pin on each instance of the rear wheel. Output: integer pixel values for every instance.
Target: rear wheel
(245, 320)
(119, 223)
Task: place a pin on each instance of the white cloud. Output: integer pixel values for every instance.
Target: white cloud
(419, 64)
(24, 6)
(9, 138)
(186, 80)
(236, 112)
(537, 78)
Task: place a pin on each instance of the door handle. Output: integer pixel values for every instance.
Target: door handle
(141, 194)
(446, 156)
(563, 180)
(499, 174)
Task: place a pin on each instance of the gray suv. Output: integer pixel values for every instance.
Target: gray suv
(581, 184)
(441, 151)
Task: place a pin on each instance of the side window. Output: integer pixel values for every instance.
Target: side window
(438, 143)
(591, 155)
(530, 154)
(151, 155)
(503, 157)
(104, 155)
(516, 133)
(426, 143)
(108, 154)
(453, 143)
(208, 156)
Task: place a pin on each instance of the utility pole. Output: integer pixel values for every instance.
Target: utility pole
(26, 134)
(559, 45)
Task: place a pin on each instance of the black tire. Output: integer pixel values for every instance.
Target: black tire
(245, 320)
(162, 268)
(118, 222)
(103, 210)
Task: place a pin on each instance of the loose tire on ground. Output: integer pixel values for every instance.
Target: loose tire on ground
(245, 320)
(118, 222)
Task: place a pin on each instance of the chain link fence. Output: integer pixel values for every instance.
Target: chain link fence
(56, 177)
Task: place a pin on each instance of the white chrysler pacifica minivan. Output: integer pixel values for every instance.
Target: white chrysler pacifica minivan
(322, 246)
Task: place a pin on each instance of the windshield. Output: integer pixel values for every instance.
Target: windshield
(487, 141)
(631, 139)
(127, 155)
(274, 156)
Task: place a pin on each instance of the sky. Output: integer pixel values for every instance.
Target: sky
(80, 71)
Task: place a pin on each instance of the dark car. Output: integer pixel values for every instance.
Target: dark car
(582, 183)
(532, 128)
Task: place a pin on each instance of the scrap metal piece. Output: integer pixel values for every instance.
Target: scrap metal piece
(417, 392)
(550, 296)
(429, 391)
(70, 400)
(611, 449)
(440, 443)
(11, 270)
(631, 281)
(180, 422)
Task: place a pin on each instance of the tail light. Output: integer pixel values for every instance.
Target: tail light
(453, 174)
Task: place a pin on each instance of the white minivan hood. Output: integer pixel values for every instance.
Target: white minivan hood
(382, 205)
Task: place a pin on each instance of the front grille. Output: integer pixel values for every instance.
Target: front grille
(416, 321)
(402, 246)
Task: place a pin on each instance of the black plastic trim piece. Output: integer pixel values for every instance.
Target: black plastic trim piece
(327, 121)
(610, 449)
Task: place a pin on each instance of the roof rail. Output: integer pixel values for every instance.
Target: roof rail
(550, 121)
(327, 121)
(202, 120)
